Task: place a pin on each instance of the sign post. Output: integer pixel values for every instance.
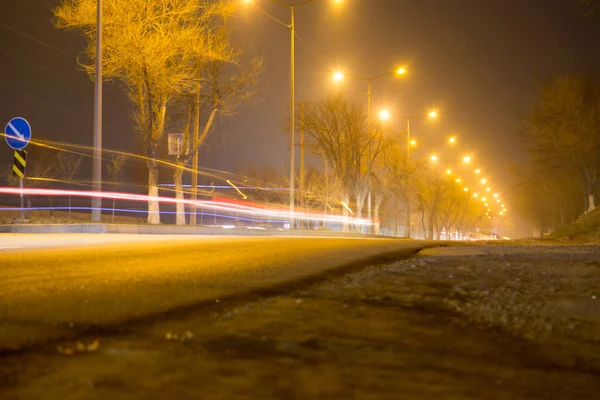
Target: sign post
(19, 167)
(18, 134)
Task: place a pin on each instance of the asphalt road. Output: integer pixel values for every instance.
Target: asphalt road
(75, 283)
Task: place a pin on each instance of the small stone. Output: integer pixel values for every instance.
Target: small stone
(188, 335)
(298, 301)
(594, 297)
(93, 346)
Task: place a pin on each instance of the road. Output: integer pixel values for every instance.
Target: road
(75, 283)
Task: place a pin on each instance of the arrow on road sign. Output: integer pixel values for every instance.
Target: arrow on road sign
(17, 133)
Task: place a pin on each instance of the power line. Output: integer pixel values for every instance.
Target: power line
(37, 40)
(29, 98)
(43, 68)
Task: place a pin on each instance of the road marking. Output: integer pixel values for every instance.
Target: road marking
(11, 126)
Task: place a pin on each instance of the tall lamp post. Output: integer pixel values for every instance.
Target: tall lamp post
(339, 76)
(292, 27)
(97, 149)
(384, 114)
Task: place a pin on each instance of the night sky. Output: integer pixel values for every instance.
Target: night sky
(476, 61)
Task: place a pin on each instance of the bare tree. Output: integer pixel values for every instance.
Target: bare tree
(227, 85)
(339, 131)
(152, 47)
(116, 162)
(67, 167)
(562, 132)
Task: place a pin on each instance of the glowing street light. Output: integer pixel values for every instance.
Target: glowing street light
(452, 140)
(338, 76)
(413, 142)
(384, 115)
(292, 27)
(475, 195)
(466, 159)
(496, 195)
(458, 180)
(483, 181)
(448, 171)
(466, 189)
(433, 158)
(477, 171)
(433, 114)
(488, 189)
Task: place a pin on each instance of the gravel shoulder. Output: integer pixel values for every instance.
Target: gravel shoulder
(493, 322)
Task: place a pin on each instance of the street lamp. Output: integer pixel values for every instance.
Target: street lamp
(339, 76)
(384, 115)
(292, 27)
(97, 149)
(431, 115)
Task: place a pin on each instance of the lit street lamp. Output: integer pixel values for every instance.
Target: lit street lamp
(292, 27)
(339, 76)
(97, 149)
(431, 115)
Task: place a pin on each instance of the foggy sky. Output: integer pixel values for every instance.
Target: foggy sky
(476, 61)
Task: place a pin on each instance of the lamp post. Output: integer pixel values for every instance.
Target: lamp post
(292, 27)
(384, 114)
(339, 76)
(97, 149)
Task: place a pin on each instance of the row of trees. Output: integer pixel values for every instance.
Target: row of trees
(355, 161)
(562, 135)
(178, 66)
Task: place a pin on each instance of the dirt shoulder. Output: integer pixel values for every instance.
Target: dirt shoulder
(500, 322)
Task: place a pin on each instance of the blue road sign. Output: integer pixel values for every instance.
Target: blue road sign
(17, 133)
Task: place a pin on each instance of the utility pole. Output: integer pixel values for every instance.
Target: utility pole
(369, 117)
(292, 116)
(97, 159)
(407, 229)
(301, 181)
(195, 158)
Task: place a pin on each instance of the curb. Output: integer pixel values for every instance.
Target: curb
(170, 230)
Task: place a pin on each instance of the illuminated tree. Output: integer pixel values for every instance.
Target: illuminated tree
(152, 46)
(223, 86)
(338, 131)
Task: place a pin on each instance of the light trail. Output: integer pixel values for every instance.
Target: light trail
(225, 206)
(139, 211)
